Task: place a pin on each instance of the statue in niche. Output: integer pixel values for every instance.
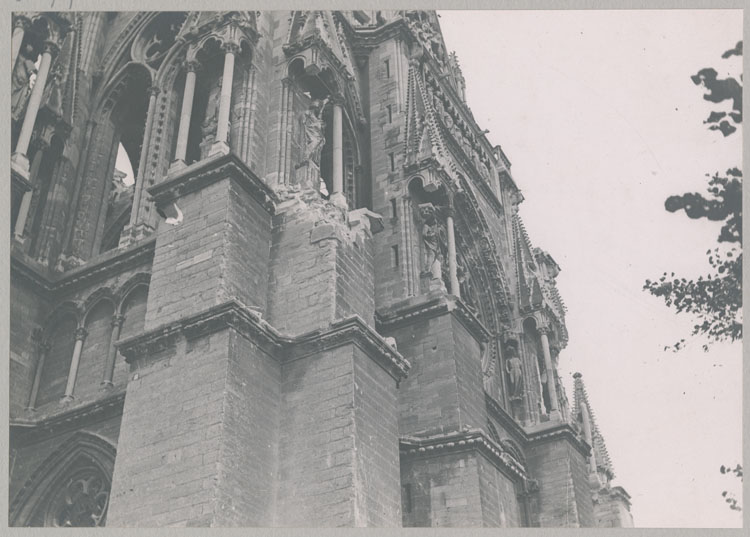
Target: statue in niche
(514, 370)
(314, 128)
(21, 83)
(52, 97)
(432, 241)
(211, 119)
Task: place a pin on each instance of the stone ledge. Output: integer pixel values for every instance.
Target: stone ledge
(461, 441)
(97, 268)
(26, 429)
(427, 306)
(550, 431)
(247, 322)
(210, 170)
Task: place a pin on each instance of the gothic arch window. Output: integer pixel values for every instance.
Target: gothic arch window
(98, 325)
(70, 488)
(119, 126)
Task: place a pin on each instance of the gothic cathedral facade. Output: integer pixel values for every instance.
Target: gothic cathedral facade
(267, 270)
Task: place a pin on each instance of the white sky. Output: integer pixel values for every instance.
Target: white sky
(598, 115)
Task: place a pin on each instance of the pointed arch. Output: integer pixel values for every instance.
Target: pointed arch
(103, 293)
(69, 307)
(81, 453)
(138, 279)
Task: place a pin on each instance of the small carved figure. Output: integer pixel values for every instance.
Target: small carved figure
(433, 257)
(314, 128)
(513, 367)
(21, 83)
(210, 120)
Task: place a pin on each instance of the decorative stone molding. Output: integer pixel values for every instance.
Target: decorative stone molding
(100, 268)
(462, 441)
(426, 307)
(32, 429)
(249, 324)
(208, 171)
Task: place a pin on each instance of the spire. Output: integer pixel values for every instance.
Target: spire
(584, 415)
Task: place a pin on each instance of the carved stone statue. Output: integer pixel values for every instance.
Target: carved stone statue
(314, 127)
(210, 120)
(21, 83)
(513, 367)
(431, 240)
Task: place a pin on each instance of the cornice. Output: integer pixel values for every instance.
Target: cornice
(463, 441)
(366, 39)
(249, 324)
(426, 307)
(211, 170)
(28, 429)
(101, 267)
(556, 432)
(352, 329)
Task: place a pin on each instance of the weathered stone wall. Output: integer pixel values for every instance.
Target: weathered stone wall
(337, 464)
(167, 468)
(498, 496)
(564, 495)
(443, 391)
(386, 138)
(220, 250)
(442, 491)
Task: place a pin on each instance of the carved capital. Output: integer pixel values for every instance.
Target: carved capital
(51, 48)
(81, 334)
(154, 91)
(117, 321)
(192, 66)
(21, 21)
(230, 47)
(41, 343)
(544, 330)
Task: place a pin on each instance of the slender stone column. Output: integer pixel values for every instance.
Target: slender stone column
(222, 127)
(551, 389)
(42, 349)
(19, 159)
(74, 363)
(109, 365)
(587, 435)
(452, 267)
(337, 196)
(187, 109)
(20, 25)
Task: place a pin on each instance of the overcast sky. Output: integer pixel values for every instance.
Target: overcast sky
(598, 115)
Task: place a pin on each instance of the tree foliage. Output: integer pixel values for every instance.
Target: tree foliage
(734, 504)
(715, 299)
